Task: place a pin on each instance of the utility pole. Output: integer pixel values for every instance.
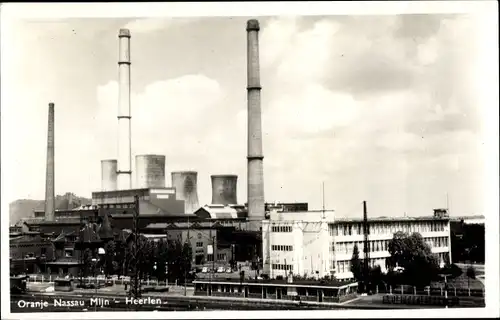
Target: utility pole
(82, 251)
(213, 255)
(366, 248)
(323, 189)
(185, 259)
(135, 282)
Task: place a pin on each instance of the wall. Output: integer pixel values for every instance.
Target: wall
(297, 242)
(325, 246)
(20, 247)
(344, 235)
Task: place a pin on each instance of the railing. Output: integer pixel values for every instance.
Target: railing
(420, 300)
(411, 290)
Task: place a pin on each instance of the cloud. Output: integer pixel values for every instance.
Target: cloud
(164, 112)
(180, 118)
(376, 109)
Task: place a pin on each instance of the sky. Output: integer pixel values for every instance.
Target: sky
(385, 109)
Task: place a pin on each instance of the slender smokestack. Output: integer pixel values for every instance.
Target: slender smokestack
(224, 189)
(255, 189)
(186, 188)
(124, 173)
(49, 179)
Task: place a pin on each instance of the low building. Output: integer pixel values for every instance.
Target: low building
(316, 244)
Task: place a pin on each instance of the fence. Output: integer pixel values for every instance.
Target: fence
(420, 300)
(411, 290)
(51, 278)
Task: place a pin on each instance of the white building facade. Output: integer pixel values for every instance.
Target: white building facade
(314, 244)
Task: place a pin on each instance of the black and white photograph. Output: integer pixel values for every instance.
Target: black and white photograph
(238, 160)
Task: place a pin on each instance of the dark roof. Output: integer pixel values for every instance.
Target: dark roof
(89, 233)
(105, 231)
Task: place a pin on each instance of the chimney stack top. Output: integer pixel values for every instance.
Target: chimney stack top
(224, 176)
(253, 25)
(124, 33)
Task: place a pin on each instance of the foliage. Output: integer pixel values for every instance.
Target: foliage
(87, 262)
(108, 261)
(160, 260)
(416, 258)
(468, 242)
(356, 264)
(452, 270)
(471, 272)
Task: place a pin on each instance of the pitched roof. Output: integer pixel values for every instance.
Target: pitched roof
(105, 231)
(222, 212)
(89, 233)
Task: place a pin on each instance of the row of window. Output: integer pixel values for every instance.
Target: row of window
(382, 245)
(220, 257)
(281, 248)
(345, 266)
(287, 267)
(352, 229)
(437, 242)
(199, 244)
(281, 229)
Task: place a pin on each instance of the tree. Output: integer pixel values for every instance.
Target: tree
(186, 255)
(356, 264)
(109, 257)
(411, 253)
(161, 260)
(471, 272)
(87, 262)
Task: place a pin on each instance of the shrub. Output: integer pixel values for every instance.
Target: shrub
(471, 273)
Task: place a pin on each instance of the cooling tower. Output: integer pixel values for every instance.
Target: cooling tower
(224, 189)
(150, 171)
(186, 188)
(124, 172)
(50, 173)
(108, 175)
(255, 170)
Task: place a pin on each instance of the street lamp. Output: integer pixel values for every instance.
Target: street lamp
(445, 276)
(100, 252)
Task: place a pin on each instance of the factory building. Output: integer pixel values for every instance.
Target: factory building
(316, 244)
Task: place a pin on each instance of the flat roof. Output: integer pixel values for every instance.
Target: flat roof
(384, 219)
(327, 284)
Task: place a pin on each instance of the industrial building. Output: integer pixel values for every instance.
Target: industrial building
(286, 236)
(317, 244)
(163, 211)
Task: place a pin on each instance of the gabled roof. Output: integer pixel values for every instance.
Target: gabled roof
(221, 212)
(105, 231)
(89, 233)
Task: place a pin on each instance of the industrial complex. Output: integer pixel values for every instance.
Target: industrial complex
(283, 237)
